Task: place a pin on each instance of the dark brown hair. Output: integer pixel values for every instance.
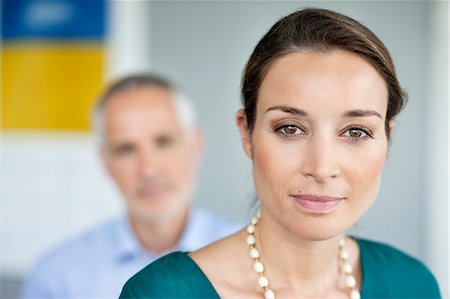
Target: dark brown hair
(318, 30)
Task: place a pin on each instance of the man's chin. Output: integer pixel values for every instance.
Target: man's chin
(156, 214)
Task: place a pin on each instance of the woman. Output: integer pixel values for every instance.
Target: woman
(320, 94)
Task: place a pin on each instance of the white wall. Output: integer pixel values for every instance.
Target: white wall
(437, 147)
(53, 186)
(129, 42)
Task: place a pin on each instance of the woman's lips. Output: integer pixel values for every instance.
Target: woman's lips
(317, 204)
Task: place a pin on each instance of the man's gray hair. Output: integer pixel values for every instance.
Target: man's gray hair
(184, 108)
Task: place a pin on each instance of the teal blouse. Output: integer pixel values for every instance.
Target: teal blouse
(386, 271)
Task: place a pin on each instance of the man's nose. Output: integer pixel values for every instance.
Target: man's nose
(148, 164)
(321, 161)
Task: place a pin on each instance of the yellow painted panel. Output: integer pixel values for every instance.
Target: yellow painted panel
(50, 86)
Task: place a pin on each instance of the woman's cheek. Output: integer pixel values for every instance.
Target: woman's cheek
(365, 174)
(267, 164)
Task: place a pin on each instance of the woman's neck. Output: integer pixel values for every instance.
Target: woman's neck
(301, 266)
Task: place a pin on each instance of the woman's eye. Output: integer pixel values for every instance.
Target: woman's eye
(356, 133)
(289, 131)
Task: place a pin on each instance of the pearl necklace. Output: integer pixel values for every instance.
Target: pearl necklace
(263, 282)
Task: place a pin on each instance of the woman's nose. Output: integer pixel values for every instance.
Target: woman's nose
(320, 161)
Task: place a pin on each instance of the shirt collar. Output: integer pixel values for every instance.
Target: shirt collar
(193, 234)
(128, 246)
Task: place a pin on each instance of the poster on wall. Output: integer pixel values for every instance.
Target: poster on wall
(53, 54)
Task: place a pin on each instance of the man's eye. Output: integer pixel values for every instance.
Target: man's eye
(164, 141)
(123, 150)
(289, 131)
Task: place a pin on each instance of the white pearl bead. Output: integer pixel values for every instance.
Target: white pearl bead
(342, 242)
(344, 254)
(347, 268)
(250, 228)
(355, 295)
(251, 240)
(269, 294)
(254, 253)
(254, 220)
(263, 281)
(259, 267)
(350, 281)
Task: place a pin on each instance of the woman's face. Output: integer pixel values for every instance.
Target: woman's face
(319, 142)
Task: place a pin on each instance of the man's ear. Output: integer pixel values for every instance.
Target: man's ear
(102, 151)
(241, 122)
(198, 144)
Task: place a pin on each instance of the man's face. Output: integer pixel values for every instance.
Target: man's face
(148, 153)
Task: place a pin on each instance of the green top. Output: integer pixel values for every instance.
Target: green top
(387, 273)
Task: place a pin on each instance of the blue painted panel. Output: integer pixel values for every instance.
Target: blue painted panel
(53, 19)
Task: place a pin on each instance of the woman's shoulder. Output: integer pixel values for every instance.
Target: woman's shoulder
(222, 263)
(387, 255)
(175, 275)
(390, 271)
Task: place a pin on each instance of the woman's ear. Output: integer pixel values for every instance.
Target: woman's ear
(391, 127)
(241, 121)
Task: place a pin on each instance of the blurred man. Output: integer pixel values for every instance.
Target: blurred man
(151, 148)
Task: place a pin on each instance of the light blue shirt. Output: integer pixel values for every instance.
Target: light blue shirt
(98, 263)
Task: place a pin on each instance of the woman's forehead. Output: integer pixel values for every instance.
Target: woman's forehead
(336, 78)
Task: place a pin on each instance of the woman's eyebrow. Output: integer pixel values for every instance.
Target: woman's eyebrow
(300, 112)
(288, 109)
(362, 113)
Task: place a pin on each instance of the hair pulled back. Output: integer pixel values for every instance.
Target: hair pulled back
(318, 30)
